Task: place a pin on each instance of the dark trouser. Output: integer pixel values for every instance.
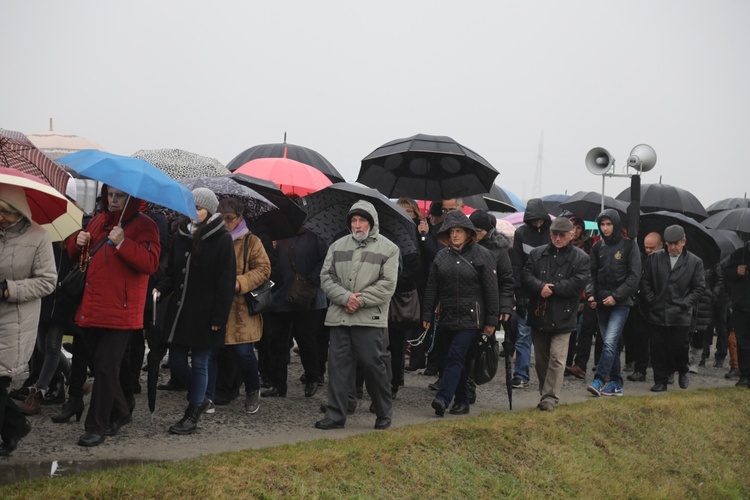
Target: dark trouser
(439, 354)
(79, 365)
(589, 326)
(628, 337)
(670, 346)
(322, 341)
(640, 342)
(454, 382)
(228, 375)
(397, 345)
(364, 345)
(303, 327)
(12, 421)
(135, 359)
(742, 333)
(721, 307)
(107, 400)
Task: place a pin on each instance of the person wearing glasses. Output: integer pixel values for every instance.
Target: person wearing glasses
(27, 273)
(201, 277)
(554, 277)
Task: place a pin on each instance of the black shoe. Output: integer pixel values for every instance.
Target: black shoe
(327, 424)
(659, 388)
(115, 426)
(273, 392)
(684, 381)
(719, 363)
(637, 377)
(222, 400)
(670, 380)
(349, 411)
(321, 381)
(265, 384)
(73, 406)
(435, 386)
(430, 372)
(439, 407)
(189, 423)
(56, 397)
(9, 446)
(732, 373)
(310, 389)
(89, 440)
(22, 393)
(172, 385)
(743, 382)
(382, 423)
(459, 409)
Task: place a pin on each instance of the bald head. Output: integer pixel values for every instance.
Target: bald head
(652, 242)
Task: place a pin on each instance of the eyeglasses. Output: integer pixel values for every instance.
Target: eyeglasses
(446, 210)
(230, 217)
(556, 234)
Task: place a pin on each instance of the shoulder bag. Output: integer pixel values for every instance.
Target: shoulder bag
(259, 299)
(73, 284)
(404, 311)
(302, 290)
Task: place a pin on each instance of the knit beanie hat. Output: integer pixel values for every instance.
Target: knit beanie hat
(206, 198)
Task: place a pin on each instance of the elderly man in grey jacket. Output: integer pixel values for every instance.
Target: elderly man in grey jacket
(359, 277)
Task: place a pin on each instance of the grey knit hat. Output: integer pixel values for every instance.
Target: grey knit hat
(206, 198)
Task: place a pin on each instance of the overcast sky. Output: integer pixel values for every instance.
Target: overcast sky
(344, 77)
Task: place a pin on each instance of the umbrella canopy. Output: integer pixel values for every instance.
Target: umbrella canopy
(327, 209)
(427, 167)
(517, 218)
(588, 205)
(737, 219)
(658, 197)
(55, 144)
(181, 164)
(699, 240)
(496, 201)
(728, 204)
(291, 151)
(134, 176)
(18, 153)
(552, 203)
(292, 177)
(49, 208)
(292, 216)
(256, 204)
(727, 240)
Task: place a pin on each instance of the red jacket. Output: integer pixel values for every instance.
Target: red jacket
(117, 279)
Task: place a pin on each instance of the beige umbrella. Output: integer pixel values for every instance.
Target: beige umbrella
(55, 144)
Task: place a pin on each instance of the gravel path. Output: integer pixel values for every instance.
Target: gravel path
(279, 421)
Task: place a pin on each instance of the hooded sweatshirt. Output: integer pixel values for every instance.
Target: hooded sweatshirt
(528, 237)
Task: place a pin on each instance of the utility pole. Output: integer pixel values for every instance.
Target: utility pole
(536, 190)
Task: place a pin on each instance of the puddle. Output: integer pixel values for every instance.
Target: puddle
(14, 473)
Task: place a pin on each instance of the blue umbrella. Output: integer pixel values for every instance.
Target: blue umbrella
(134, 176)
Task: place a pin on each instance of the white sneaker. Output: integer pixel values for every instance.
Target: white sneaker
(692, 368)
(211, 407)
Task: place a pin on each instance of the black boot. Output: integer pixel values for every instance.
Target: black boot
(189, 422)
(73, 406)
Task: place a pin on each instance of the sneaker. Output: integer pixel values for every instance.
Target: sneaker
(612, 389)
(519, 384)
(211, 408)
(719, 363)
(692, 368)
(732, 373)
(596, 387)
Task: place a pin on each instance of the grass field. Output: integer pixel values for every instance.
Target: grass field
(691, 444)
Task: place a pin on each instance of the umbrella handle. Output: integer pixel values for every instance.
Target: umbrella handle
(154, 296)
(119, 222)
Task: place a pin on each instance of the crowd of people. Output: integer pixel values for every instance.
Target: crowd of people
(184, 287)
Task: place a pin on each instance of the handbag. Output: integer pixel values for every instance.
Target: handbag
(302, 291)
(404, 311)
(259, 299)
(73, 284)
(487, 359)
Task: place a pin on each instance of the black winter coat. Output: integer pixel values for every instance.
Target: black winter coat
(467, 297)
(739, 285)
(714, 292)
(615, 265)
(499, 245)
(671, 294)
(203, 287)
(568, 269)
(526, 238)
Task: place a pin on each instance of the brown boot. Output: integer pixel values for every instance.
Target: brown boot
(33, 403)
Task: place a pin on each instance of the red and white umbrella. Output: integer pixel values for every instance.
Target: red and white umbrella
(291, 176)
(48, 207)
(18, 153)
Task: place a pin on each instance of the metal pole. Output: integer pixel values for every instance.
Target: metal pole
(602, 210)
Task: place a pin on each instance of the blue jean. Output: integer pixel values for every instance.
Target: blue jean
(523, 349)
(195, 378)
(454, 375)
(611, 322)
(245, 354)
(213, 370)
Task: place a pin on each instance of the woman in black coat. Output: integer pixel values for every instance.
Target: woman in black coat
(463, 287)
(201, 277)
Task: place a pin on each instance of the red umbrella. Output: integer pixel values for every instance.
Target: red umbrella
(48, 208)
(18, 153)
(291, 176)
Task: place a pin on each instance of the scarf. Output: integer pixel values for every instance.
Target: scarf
(239, 231)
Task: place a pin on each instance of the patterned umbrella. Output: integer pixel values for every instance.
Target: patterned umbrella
(180, 164)
(327, 209)
(256, 204)
(18, 153)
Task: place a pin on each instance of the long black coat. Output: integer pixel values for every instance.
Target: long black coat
(203, 288)
(498, 245)
(672, 294)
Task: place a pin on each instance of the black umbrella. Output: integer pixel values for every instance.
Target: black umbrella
(426, 167)
(588, 205)
(327, 209)
(552, 202)
(656, 197)
(699, 240)
(727, 204)
(285, 150)
(727, 240)
(276, 227)
(508, 346)
(157, 349)
(737, 219)
(496, 200)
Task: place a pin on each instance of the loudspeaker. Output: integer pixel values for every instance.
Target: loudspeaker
(642, 158)
(599, 161)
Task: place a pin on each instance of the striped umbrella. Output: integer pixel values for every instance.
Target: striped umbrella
(18, 153)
